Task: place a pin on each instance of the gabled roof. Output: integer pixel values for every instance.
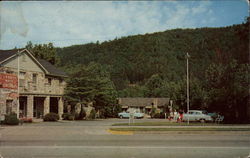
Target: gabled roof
(5, 54)
(47, 67)
(142, 102)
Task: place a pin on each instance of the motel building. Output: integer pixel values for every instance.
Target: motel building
(144, 105)
(30, 87)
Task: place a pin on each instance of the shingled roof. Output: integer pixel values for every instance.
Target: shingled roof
(142, 102)
(5, 54)
(51, 69)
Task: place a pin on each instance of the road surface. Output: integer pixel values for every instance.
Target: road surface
(91, 139)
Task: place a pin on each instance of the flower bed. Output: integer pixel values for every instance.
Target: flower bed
(26, 120)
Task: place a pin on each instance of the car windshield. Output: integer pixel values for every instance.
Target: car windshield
(204, 112)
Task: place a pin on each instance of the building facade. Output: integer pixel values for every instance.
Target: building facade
(144, 105)
(29, 87)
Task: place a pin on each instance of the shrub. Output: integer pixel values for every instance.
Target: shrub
(68, 116)
(117, 109)
(110, 111)
(51, 117)
(11, 119)
(1, 122)
(102, 114)
(92, 114)
(159, 115)
(81, 115)
(153, 112)
(107, 111)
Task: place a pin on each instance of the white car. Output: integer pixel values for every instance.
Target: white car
(196, 115)
(127, 115)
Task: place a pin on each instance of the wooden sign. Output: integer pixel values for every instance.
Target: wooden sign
(8, 81)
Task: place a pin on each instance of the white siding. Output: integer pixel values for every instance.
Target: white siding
(25, 62)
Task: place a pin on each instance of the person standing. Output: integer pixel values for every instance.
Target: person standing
(175, 115)
(181, 115)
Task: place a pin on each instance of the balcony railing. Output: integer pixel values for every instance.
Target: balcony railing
(31, 87)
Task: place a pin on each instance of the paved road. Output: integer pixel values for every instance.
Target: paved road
(91, 139)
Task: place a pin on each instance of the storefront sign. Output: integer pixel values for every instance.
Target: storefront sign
(8, 81)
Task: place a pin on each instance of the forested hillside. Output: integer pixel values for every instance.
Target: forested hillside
(154, 65)
(135, 59)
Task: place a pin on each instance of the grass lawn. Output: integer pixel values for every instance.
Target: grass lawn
(168, 124)
(179, 129)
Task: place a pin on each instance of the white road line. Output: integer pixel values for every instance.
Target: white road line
(124, 147)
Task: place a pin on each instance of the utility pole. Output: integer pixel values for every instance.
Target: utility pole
(18, 71)
(187, 88)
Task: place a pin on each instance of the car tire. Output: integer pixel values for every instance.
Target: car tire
(202, 120)
(121, 117)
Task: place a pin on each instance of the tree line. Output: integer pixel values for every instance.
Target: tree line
(154, 65)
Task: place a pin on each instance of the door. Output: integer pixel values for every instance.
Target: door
(23, 107)
(8, 106)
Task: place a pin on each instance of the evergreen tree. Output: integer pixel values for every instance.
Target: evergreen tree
(90, 84)
(44, 51)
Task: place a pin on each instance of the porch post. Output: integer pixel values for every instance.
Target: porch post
(30, 106)
(18, 107)
(46, 105)
(60, 107)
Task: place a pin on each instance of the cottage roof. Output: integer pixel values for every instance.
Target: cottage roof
(143, 102)
(163, 101)
(49, 69)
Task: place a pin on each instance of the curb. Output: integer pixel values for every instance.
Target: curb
(120, 132)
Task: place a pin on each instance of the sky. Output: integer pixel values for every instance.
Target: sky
(66, 23)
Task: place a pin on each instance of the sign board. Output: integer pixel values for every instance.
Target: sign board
(8, 81)
(131, 118)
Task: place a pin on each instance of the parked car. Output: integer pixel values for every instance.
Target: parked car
(216, 117)
(127, 115)
(197, 115)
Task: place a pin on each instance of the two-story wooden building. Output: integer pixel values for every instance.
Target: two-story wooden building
(29, 87)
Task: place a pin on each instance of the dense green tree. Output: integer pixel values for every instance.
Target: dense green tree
(134, 59)
(44, 51)
(228, 90)
(133, 91)
(154, 85)
(110, 111)
(198, 95)
(90, 84)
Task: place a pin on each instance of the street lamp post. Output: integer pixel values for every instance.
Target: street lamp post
(18, 71)
(187, 88)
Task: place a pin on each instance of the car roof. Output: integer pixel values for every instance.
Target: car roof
(195, 110)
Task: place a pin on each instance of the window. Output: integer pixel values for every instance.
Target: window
(21, 83)
(49, 81)
(60, 81)
(9, 72)
(22, 79)
(34, 78)
(22, 75)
